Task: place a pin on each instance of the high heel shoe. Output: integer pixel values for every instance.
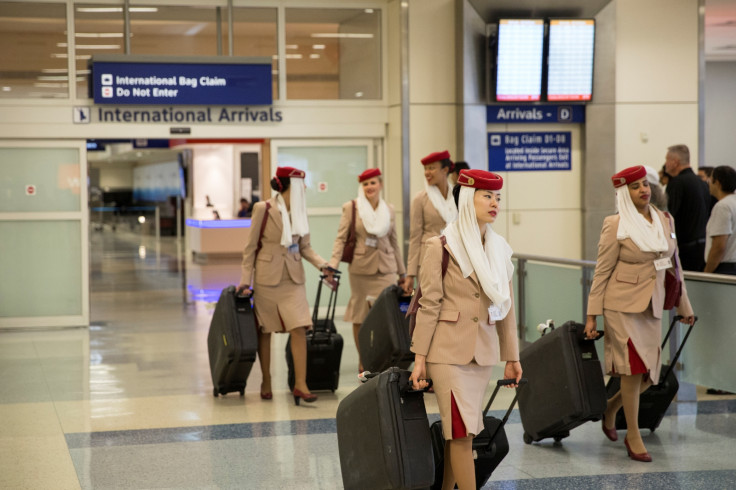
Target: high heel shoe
(307, 397)
(643, 457)
(267, 396)
(610, 433)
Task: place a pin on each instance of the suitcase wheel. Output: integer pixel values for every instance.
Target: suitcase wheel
(242, 392)
(527, 438)
(215, 393)
(558, 438)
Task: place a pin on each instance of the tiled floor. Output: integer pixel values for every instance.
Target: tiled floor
(128, 403)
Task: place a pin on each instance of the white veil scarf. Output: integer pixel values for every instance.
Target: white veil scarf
(444, 205)
(492, 263)
(294, 222)
(376, 221)
(649, 237)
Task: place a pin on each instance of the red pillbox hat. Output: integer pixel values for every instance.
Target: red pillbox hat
(629, 175)
(369, 174)
(290, 172)
(480, 179)
(436, 157)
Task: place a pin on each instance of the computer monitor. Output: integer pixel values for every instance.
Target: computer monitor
(520, 48)
(570, 59)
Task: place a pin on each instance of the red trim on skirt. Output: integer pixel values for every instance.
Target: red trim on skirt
(458, 426)
(635, 363)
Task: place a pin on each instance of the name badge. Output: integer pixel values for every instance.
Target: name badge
(673, 235)
(494, 313)
(662, 264)
(371, 242)
(293, 248)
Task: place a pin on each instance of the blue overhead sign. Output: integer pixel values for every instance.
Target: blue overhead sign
(181, 81)
(546, 113)
(529, 151)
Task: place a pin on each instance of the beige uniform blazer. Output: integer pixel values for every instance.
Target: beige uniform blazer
(625, 278)
(384, 258)
(425, 222)
(452, 324)
(273, 257)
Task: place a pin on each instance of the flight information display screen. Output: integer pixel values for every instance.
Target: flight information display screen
(570, 60)
(519, 60)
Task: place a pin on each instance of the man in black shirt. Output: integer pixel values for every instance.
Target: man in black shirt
(688, 199)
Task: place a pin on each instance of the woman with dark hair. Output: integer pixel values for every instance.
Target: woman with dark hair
(458, 166)
(431, 209)
(272, 268)
(377, 261)
(465, 322)
(636, 248)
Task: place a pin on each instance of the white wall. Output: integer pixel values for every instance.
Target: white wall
(212, 176)
(720, 113)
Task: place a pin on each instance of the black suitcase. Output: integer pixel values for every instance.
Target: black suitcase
(324, 345)
(654, 402)
(384, 339)
(232, 342)
(489, 447)
(383, 435)
(566, 386)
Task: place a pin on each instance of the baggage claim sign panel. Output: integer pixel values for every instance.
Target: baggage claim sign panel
(529, 151)
(189, 81)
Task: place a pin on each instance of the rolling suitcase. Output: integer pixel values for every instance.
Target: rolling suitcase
(232, 342)
(565, 386)
(324, 345)
(489, 447)
(384, 338)
(654, 402)
(383, 436)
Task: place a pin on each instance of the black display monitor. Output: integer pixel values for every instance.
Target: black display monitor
(570, 60)
(519, 54)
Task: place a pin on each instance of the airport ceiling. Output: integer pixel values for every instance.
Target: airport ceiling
(720, 18)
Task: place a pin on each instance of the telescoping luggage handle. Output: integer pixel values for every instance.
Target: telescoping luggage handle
(408, 388)
(682, 344)
(499, 384)
(332, 303)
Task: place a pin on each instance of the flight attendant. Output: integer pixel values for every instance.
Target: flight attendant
(377, 261)
(431, 209)
(273, 266)
(636, 247)
(466, 322)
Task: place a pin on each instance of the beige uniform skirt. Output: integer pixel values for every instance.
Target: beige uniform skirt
(362, 286)
(467, 385)
(645, 332)
(283, 307)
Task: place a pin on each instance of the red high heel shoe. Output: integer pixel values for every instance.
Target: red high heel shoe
(643, 457)
(307, 397)
(610, 433)
(267, 396)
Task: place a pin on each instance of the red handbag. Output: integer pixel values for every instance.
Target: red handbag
(349, 249)
(672, 281)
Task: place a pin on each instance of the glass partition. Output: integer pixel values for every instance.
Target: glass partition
(164, 30)
(98, 29)
(255, 33)
(34, 59)
(333, 53)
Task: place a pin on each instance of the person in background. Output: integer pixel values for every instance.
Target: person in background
(720, 232)
(377, 259)
(272, 268)
(458, 166)
(246, 208)
(635, 250)
(705, 173)
(688, 199)
(431, 209)
(466, 322)
(658, 197)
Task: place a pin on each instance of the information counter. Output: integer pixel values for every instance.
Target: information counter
(221, 238)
